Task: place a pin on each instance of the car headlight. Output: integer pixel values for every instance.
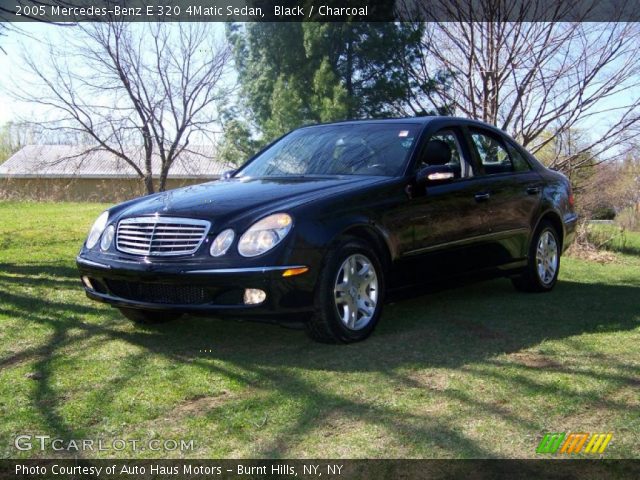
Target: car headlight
(265, 234)
(222, 243)
(107, 237)
(97, 229)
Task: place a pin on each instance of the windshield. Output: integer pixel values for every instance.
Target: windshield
(348, 149)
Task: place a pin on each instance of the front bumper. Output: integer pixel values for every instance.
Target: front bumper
(191, 288)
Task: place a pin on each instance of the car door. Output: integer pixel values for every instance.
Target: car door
(447, 218)
(512, 191)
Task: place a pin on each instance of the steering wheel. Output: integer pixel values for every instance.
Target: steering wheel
(367, 153)
(379, 167)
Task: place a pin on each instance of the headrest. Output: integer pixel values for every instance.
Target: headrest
(437, 152)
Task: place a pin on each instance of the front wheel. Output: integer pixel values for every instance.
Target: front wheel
(350, 294)
(149, 317)
(542, 270)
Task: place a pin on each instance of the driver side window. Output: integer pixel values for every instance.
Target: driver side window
(447, 144)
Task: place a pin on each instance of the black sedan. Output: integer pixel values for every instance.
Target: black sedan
(321, 223)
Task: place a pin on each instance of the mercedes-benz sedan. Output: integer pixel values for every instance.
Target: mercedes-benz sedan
(323, 222)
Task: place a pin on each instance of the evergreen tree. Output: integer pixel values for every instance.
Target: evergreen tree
(291, 74)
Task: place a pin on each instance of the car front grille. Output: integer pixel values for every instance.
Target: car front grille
(161, 236)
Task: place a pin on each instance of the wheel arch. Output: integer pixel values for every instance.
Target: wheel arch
(554, 219)
(373, 237)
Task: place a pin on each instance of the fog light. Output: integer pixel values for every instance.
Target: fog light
(222, 243)
(254, 296)
(87, 282)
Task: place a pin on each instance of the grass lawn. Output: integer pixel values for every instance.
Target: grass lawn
(479, 371)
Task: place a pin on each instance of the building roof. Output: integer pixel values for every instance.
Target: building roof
(73, 161)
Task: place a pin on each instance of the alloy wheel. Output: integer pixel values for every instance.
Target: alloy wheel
(547, 257)
(356, 291)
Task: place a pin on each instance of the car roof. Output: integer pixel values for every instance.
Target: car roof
(436, 120)
(412, 120)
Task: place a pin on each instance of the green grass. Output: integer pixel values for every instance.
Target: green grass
(479, 371)
(614, 238)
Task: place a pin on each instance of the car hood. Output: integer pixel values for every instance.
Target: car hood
(235, 196)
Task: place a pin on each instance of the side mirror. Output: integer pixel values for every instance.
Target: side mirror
(434, 175)
(228, 174)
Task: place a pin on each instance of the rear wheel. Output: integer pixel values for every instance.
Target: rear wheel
(350, 294)
(148, 317)
(542, 270)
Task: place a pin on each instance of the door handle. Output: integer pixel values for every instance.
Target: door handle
(533, 190)
(482, 197)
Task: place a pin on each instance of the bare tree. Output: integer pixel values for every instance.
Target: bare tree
(153, 86)
(13, 136)
(8, 15)
(539, 81)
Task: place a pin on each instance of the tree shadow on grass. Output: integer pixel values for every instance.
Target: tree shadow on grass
(49, 275)
(445, 329)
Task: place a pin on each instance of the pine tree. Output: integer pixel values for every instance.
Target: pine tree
(293, 74)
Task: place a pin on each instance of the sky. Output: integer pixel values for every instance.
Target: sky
(9, 64)
(13, 77)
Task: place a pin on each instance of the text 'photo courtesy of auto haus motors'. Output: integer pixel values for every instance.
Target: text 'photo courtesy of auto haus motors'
(319, 225)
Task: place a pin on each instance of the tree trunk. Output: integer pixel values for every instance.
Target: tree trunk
(163, 179)
(349, 75)
(148, 183)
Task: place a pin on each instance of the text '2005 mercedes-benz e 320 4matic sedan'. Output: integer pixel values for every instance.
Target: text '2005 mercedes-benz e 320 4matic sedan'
(318, 225)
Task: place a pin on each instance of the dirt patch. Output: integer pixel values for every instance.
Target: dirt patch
(202, 404)
(533, 360)
(438, 382)
(196, 406)
(591, 254)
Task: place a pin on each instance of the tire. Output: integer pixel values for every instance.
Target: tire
(340, 293)
(540, 274)
(149, 317)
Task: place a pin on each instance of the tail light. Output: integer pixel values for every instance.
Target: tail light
(571, 199)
